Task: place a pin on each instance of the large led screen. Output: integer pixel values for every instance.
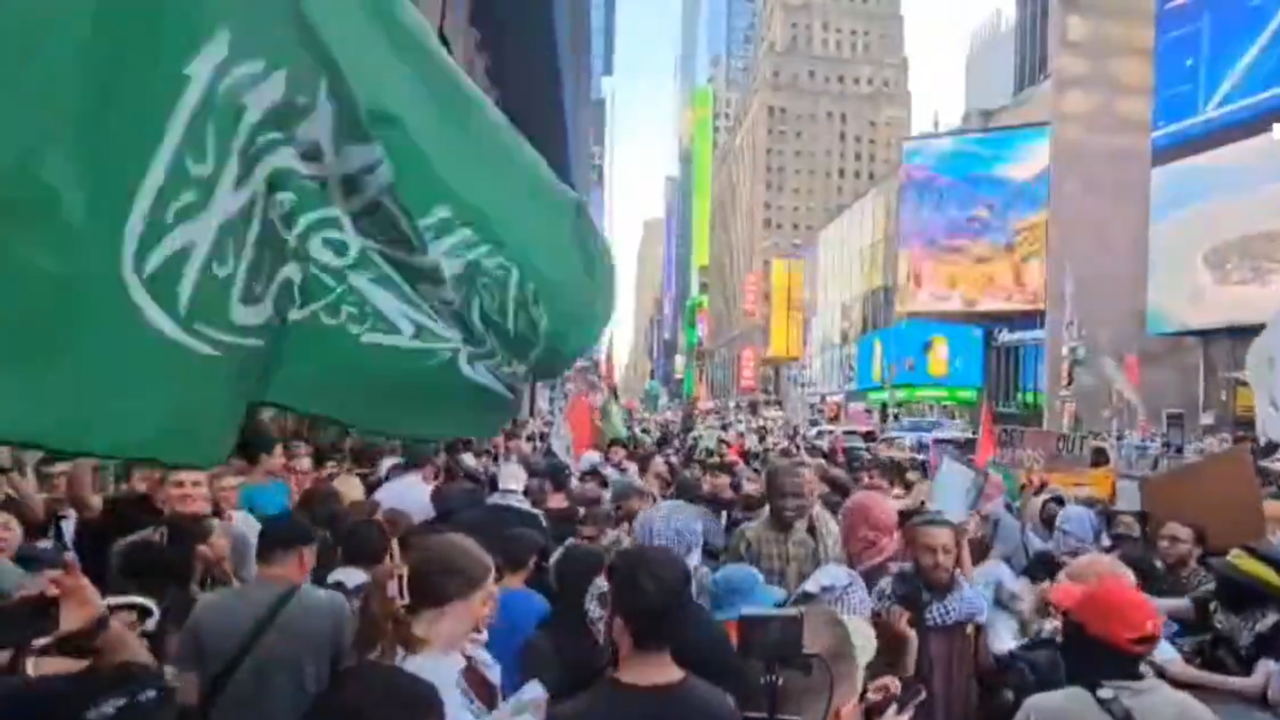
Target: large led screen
(973, 214)
(1214, 253)
(1217, 70)
(921, 353)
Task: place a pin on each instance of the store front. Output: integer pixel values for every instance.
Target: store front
(1015, 375)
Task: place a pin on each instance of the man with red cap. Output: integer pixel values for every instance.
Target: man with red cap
(1109, 628)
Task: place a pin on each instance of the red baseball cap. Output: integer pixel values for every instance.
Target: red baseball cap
(1111, 610)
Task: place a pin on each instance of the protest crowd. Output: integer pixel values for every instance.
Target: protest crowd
(710, 564)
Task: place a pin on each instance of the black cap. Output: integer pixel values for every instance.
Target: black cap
(283, 533)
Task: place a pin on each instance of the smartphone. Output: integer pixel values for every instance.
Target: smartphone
(27, 619)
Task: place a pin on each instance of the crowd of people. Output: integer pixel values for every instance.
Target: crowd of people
(660, 575)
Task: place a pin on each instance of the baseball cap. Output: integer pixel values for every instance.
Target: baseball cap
(738, 587)
(1111, 610)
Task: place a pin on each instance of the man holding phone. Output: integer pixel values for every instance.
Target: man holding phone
(64, 615)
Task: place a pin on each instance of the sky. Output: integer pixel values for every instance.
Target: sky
(643, 121)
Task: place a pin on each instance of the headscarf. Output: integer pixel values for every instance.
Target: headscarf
(837, 587)
(679, 526)
(1077, 530)
(869, 529)
(1008, 539)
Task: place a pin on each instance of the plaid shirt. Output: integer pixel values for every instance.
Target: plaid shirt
(786, 559)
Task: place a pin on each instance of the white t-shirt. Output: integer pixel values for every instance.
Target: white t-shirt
(409, 494)
(444, 670)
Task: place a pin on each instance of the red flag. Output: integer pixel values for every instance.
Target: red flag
(986, 450)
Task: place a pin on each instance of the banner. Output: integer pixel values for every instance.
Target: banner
(703, 149)
(230, 203)
(1030, 457)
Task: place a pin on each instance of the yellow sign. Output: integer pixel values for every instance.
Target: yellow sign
(786, 310)
(1245, 403)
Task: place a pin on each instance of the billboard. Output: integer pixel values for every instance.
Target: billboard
(921, 353)
(751, 296)
(1214, 245)
(702, 148)
(670, 262)
(973, 214)
(1217, 72)
(748, 380)
(786, 310)
(1214, 227)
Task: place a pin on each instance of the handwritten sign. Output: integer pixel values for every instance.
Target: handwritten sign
(1045, 457)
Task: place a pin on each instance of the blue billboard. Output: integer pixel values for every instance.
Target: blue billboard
(921, 353)
(1217, 69)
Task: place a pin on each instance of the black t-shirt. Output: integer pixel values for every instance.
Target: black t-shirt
(611, 699)
(122, 515)
(563, 523)
(124, 692)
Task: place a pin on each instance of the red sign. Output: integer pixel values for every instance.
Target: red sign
(751, 296)
(747, 361)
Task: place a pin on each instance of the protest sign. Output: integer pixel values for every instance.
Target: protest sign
(955, 490)
(1219, 493)
(1035, 457)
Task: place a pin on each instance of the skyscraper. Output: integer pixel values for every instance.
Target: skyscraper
(820, 124)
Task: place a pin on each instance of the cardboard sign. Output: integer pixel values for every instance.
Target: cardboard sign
(1219, 493)
(1045, 457)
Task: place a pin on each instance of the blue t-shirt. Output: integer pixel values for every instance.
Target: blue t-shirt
(520, 611)
(266, 499)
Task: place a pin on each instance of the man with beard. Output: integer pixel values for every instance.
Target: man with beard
(790, 541)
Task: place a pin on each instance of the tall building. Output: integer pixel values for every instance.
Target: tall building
(604, 16)
(648, 308)
(822, 123)
(989, 65)
(1031, 44)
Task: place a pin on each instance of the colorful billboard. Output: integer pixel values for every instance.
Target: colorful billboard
(1217, 72)
(703, 147)
(973, 212)
(1214, 244)
(919, 353)
(670, 262)
(786, 310)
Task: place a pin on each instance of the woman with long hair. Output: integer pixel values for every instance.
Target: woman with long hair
(443, 598)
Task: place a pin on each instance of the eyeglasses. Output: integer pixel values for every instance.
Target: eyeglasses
(1173, 540)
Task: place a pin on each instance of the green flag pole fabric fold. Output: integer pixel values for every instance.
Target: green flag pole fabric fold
(207, 205)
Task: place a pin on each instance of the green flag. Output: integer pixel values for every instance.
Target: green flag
(214, 203)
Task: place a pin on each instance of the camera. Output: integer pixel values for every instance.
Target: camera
(772, 636)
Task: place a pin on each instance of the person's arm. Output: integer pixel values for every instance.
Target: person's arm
(80, 491)
(1185, 674)
(22, 485)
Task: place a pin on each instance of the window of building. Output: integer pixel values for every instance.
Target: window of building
(839, 79)
(768, 223)
(840, 173)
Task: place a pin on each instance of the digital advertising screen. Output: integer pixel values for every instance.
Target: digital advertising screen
(1214, 246)
(973, 213)
(921, 353)
(1217, 72)
(1214, 233)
